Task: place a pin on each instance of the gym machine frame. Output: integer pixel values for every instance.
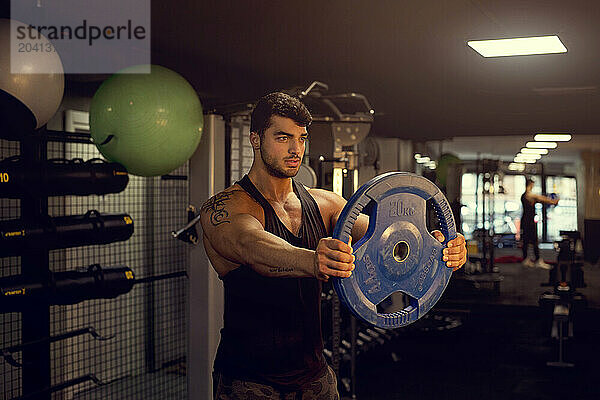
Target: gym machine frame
(336, 156)
(490, 273)
(564, 302)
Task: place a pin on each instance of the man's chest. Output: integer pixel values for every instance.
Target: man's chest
(290, 214)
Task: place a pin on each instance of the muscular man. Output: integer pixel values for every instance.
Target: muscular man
(267, 238)
(528, 228)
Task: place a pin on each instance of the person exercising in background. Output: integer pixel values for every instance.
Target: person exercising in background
(267, 238)
(528, 228)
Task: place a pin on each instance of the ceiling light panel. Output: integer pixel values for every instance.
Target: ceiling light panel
(552, 137)
(541, 145)
(518, 46)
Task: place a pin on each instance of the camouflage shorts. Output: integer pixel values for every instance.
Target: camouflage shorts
(324, 388)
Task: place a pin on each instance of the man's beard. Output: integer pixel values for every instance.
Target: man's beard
(274, 171)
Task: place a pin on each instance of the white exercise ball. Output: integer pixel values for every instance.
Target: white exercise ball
(33, 89)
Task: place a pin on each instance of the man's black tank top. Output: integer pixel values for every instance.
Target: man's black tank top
(272, 326)
(527, 220)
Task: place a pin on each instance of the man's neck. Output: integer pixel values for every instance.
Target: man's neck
(272, 188)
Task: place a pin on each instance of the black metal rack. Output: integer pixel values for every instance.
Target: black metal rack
(149, 323)
(35, 322)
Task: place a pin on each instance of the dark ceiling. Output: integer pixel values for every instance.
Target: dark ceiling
(409, 58)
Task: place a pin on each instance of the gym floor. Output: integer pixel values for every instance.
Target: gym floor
(499, 352)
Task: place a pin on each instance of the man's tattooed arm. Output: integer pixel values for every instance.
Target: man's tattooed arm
(216, 206)
(236, 235)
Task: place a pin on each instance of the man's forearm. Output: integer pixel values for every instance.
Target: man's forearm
(272, 256)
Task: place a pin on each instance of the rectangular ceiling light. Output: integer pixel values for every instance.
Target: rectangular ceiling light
(516, 166)
(518, 46)
(521, 159)
(533, 156)
(526, 150)
(552, 137)
(526, 156)
(541, 145)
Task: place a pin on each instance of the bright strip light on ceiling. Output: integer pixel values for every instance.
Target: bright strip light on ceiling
(520, 157)
(525, 160)
(518, 46)
(516, 166)
(528, 156)
(533, 156)
(526, 150)
(552, 137)
(541, 145)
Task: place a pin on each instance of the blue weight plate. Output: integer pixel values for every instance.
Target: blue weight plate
(553, 196)
(396, 205)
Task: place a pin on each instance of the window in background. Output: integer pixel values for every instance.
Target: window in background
(563, 217)
(508, 208)
(506, 200)
(469, 206)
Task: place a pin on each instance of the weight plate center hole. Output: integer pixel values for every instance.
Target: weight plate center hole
(401, 251)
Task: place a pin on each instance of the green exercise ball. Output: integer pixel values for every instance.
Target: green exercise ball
(151, 123)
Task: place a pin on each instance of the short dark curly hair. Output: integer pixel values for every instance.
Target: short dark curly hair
(278, 103)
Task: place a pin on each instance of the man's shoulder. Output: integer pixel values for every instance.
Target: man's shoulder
(233, 198)
(323, 194)
(530, 197)
(327, 200)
